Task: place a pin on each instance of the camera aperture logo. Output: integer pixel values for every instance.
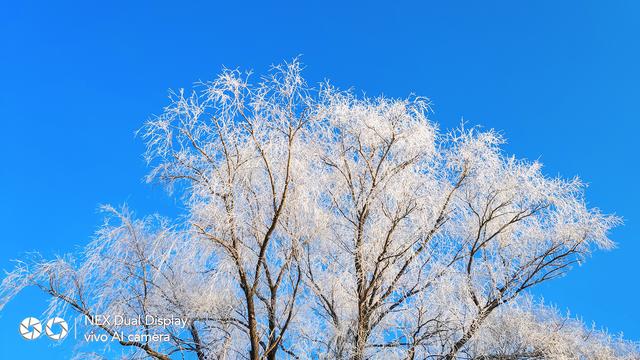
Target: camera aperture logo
(30, 328)
(55, 328)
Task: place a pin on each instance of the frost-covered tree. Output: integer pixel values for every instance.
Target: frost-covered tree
(323, 225)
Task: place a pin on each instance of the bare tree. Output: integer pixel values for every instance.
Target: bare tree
(323, 225)
(241, 152)
(134, 269)
(410, 209)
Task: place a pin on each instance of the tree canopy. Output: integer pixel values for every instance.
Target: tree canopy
(323, 225)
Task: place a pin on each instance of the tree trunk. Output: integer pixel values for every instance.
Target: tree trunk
(362, 335)
(254, 353)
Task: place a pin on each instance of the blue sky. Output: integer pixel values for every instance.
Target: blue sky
(560, 79)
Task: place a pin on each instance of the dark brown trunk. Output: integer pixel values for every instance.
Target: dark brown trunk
(254, 353)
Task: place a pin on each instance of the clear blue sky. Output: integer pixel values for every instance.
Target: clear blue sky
(560, 78)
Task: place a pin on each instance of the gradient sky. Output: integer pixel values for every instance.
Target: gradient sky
(559, 78)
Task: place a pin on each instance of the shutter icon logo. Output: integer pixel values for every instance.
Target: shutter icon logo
(30, 328)
(56, 328)
(63, 328)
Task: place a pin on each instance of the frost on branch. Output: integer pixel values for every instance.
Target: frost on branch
(525, 330)
(134, 269)
(320, 224)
